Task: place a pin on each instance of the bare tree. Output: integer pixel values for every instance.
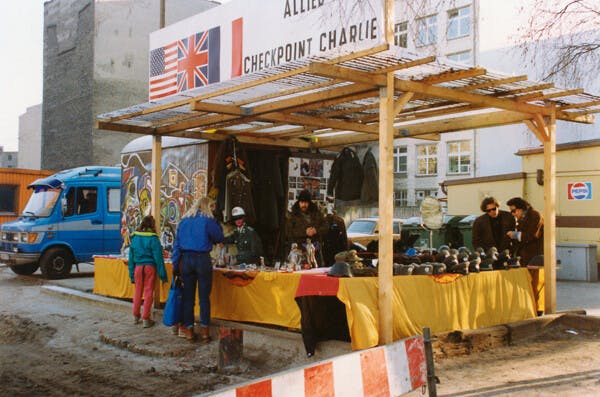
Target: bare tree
(562, 39)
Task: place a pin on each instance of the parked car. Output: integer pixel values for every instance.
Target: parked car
(363, 231)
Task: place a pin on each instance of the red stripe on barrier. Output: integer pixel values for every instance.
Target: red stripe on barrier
(415, 353)
(258, 389)
(318, 381)
(374, 373)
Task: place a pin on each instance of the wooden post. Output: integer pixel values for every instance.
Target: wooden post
(550, 216)
(155, 199)
(155, 176)
(231, 348)
(386, 194)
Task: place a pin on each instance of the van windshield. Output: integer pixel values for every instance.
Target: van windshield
(42, 201)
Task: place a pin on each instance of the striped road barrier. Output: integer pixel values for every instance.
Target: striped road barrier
(389, 370)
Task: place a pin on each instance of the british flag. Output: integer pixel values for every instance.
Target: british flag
(185, 64)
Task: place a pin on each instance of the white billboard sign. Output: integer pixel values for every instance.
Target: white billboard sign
(246, 36)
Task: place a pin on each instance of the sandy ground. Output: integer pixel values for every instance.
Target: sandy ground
(55, 346)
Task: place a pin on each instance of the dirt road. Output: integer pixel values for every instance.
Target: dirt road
(54, 346)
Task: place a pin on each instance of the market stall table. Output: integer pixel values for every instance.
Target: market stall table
(442, 303)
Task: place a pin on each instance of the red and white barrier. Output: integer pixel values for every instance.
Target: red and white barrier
(388, 370)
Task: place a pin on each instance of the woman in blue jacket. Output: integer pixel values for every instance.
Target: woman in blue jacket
(145, 261)
(196, 234)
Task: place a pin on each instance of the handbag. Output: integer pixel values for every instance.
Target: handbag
(173, 308)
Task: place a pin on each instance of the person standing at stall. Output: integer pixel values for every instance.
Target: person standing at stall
(490, 229)
(246, 239)
(196, 234)
(529, 232)
(305, 221)
(145, 261)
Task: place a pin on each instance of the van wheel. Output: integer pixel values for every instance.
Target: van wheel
(25, 270)
(56, 263)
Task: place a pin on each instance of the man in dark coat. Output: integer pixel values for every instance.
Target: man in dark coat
(490, 229)
(529, 235)
(305, 221)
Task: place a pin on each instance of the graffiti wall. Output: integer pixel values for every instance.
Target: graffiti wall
(183, 179)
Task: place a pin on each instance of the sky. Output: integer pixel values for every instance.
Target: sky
(21, 25)
(21, 37)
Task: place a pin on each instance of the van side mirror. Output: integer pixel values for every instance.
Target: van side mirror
(63, 206)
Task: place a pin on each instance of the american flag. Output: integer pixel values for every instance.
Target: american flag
(163, 71)
(187, 63)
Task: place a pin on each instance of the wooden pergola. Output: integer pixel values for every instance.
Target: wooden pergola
(376, 94)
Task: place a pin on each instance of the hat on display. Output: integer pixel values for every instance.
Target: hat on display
(237, 213)
(340, 269)
(350, 256)
(304, 195)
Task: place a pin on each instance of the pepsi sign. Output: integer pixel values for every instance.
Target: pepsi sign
(579, 191)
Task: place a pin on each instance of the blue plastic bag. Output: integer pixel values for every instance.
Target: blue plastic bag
(173, 308)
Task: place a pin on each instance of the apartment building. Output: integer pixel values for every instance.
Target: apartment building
(445, 28)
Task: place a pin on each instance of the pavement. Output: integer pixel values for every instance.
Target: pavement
(571, 296)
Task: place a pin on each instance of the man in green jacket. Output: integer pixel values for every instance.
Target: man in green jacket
(246, 239)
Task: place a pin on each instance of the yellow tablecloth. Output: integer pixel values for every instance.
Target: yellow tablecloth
(478, 300)
(470, 302)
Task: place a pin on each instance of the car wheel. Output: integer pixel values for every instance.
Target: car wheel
(56, 263)
(25, 270)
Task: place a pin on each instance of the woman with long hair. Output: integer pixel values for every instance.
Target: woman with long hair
(145, 261)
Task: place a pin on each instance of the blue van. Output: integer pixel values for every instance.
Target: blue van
(71, 216)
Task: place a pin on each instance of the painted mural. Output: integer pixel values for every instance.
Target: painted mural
(183, 179)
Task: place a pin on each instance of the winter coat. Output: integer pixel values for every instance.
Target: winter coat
(369, 193)
(248, 244)
(336, 238)
(483, 235)
(297, 223)
(531, 241)
(346, 176)
(197, 233)
(145, 249)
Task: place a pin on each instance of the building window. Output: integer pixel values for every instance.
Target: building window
(401, 34)
(8, 200)
(459, 157)
(400, 156)
(401, 198)
(427, 159)
(459, 22)
(9, 157)
(427, 30)
(464, 57)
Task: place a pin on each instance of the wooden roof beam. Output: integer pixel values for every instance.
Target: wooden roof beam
(134, 129)
(579, 105)
(539, 96)
(453, 75)
(427, 89)
(293, 143)
(493, 83)
(296, 119)
(416, 130)
(407, 65)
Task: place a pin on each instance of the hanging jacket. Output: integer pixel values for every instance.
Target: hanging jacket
(145, 249)
(346, 176)
(369, 193)
(336, 239)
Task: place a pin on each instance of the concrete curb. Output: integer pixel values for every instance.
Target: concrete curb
(70, 293)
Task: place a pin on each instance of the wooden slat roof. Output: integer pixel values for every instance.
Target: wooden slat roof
(328, 100)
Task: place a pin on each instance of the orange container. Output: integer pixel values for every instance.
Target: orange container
(13, 190)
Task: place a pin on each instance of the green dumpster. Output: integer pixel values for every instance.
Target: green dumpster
(466, 227)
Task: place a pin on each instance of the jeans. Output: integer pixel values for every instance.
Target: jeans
(144, 277)
(196, 270)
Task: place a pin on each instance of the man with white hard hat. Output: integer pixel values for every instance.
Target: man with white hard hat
(245, 238)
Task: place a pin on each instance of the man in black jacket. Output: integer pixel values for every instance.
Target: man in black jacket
(489, 230)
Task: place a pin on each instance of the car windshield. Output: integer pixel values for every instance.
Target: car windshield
(42, 201)
(364, 227)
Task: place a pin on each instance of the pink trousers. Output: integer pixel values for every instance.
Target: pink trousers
(144, 277)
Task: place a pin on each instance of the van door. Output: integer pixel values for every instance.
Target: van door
(112, 223)
(82, 224)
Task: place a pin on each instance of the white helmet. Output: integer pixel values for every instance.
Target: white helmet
(237, 212)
